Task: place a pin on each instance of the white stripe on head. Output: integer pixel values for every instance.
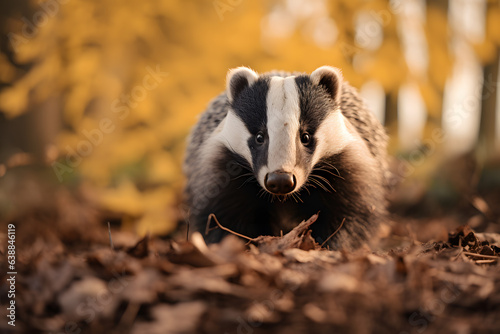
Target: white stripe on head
(283, 121)
(234, 135)
(231, 133)
(334, 135)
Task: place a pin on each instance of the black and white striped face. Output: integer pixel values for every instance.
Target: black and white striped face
(283, 126)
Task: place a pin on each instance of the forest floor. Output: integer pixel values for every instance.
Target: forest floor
(427, 275)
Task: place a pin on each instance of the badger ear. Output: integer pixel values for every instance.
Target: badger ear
(329, 78)
(239, 79)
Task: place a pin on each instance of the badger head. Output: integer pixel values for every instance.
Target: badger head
(283, 126)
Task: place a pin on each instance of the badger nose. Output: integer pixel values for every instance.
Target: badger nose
(280, 182)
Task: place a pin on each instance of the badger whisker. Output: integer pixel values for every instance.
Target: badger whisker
(269, 196)
(296, 197)
(326, 181)
(327, 171)
(242, 175)
(306, 189)
(245, 167)
(329, 164)
(273, 197)
(247, 180)
(319, 183)
(310, 184)
(320, 180)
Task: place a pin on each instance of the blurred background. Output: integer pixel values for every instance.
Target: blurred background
(97, 96)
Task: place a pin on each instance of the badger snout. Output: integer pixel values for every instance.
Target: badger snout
(280, 182)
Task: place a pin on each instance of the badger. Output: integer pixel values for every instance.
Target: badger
(276, 148)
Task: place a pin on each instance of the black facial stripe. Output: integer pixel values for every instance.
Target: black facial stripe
(259, 153)
(250, 106)
(234, 159)
(315, 104)
(310, 147)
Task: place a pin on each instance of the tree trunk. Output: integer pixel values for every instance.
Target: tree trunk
(391, 118)
(487, 126)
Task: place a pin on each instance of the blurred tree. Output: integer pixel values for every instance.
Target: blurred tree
(490, 58)
(487, 128)
(440, 63)
(35, 131)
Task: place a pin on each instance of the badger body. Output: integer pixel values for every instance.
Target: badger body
(276, 148)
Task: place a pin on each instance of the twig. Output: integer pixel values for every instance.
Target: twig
(110, 240)
(459, 253)
(187, 230)
(208, 229)
(223, 228)
(129, 315)
(331, 235)
(481, 255)
(485, 261)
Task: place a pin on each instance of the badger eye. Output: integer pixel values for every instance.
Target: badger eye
(259, 138)
(305, 138)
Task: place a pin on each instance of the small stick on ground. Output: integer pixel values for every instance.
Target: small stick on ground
(212, 216)
(485, 261)
(482, 255)
(266, 243)
(331, 235)
(110, 239)
(129, 315)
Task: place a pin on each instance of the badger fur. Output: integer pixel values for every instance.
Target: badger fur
(276, 148)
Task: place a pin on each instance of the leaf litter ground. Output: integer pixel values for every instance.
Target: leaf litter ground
(71, 280)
